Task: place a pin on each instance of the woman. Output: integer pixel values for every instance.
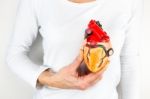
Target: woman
(61, 24)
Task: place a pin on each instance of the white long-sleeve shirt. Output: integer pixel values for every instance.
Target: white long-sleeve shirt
(61, 24)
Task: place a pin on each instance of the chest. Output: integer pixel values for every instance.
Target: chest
(65, 25)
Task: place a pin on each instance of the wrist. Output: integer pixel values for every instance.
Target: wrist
(45, 76)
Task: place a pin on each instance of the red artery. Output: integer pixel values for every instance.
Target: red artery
(95, 33)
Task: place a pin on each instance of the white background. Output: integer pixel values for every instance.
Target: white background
(11, 87)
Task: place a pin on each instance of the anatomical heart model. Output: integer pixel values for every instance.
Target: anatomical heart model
(96, 51)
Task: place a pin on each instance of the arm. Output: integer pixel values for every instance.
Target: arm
(129, 56)
(25, 32)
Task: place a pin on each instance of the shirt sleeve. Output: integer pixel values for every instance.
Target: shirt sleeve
(130, 78)
(24, 33)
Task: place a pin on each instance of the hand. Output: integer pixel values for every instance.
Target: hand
(67, 77)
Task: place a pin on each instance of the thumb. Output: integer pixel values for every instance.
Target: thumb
(78, 60)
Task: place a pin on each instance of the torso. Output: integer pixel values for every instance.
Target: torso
(63, 24)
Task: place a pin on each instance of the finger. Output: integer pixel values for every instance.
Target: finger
(101, 75)
(95, 76)
(78, 60)
(91, 77)
(84, 84)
